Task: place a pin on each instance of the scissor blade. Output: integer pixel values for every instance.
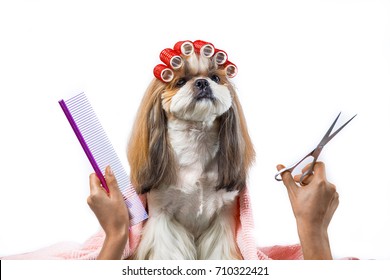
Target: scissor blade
(327, 139)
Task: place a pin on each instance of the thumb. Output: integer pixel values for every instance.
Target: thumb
(94, 183)
(287, 178)
(111, 180)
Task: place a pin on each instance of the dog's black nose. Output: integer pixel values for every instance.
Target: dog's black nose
(203, 90)
(201, 83)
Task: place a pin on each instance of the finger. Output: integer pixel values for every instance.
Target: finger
(306, 167)
(334, 203)
(332, 187)
(332, 207)
(306, 180)
(94, 183)
(319, 169)
(288, 180)
(111, 180)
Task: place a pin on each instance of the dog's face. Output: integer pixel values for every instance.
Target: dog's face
(199, 92)
(193, 87)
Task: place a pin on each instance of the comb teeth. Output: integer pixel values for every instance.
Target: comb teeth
(100, 152)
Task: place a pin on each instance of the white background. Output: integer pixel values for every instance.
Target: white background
(300, 63)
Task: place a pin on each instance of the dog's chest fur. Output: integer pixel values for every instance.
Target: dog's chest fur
(193, 201)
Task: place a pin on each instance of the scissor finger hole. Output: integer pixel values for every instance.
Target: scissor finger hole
(306, 164)
(302, 167)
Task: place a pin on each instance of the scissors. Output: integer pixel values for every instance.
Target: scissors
(315, 153)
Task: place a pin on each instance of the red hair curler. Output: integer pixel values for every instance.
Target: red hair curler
(204, 48)
(172, 58)
(220, 57)
(163, 73)
(230, 69)
(184, 47)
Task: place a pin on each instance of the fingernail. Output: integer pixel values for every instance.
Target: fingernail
(109, 170)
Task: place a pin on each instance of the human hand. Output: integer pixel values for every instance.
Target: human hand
(313, 204)
(109, 208)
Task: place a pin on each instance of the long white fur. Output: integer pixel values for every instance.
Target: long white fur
(191, 220)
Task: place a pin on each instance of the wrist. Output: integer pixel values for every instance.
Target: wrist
(113, 246)
(314, 241)
(117, 235)
(306, 228)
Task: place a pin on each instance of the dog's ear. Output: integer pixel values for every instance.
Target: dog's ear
(149, 153)
(236, 152)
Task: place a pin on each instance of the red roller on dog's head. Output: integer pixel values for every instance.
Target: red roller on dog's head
(163, 73)
(204, 48)
(171, 58)
(220, 57)
(184, 47)
(230, 69)
(187, 50)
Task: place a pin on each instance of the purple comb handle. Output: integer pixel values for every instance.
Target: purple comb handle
(84, 145)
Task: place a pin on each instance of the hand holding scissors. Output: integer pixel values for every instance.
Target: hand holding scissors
(315, 153)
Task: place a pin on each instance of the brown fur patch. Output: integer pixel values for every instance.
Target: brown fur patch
(236, 153)
(149, 154)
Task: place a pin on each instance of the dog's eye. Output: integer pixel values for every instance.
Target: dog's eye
(215, 78)
(181, 82)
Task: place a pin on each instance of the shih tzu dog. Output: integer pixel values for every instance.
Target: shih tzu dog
(190, 152)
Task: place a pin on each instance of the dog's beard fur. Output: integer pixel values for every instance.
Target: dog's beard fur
(190, 152)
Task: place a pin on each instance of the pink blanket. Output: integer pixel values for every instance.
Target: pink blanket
(245, 240)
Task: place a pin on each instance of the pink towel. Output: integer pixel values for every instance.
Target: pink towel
(245, 240)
